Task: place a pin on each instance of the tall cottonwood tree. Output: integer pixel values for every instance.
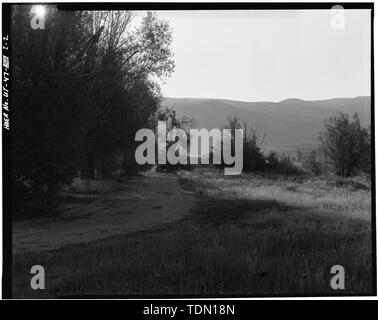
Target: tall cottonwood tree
(130, 59)
(50, 105)
(84, 86)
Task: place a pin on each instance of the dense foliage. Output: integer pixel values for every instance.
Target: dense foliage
(84, 84)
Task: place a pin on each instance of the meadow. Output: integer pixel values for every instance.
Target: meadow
(253, 234)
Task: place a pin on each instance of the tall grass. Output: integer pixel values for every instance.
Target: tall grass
(251, 235)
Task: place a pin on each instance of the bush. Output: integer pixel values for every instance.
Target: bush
(311, 164)
(272, 161)
(346, 144)
(30, 200)
(284, 165)
(288, 167)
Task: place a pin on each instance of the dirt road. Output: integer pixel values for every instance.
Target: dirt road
(146, 203)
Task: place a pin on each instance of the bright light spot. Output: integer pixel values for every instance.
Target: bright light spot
(40, 11)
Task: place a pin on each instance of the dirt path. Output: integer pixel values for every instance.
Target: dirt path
(146, 203)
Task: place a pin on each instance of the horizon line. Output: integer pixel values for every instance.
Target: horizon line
(256, 101)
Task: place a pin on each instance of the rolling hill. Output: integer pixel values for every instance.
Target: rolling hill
(288, 123)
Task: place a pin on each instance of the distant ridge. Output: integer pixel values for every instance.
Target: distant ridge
(292, 100)
(291, 122)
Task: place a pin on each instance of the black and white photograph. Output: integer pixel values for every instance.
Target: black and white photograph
(188, 150)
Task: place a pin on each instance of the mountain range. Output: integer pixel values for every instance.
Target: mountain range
(288, 123)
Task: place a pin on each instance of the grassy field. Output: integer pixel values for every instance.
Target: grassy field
(252, 234)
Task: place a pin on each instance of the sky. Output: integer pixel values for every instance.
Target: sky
(269, 55)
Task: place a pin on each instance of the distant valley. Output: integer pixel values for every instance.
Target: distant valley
(289, 123)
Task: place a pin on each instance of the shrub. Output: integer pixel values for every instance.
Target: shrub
(273, 161)
(311, 164)
(288, 167)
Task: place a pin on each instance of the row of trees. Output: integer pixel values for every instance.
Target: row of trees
(345, 149)
(83, 86)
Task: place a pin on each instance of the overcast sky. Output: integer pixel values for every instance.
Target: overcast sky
(268, 55)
